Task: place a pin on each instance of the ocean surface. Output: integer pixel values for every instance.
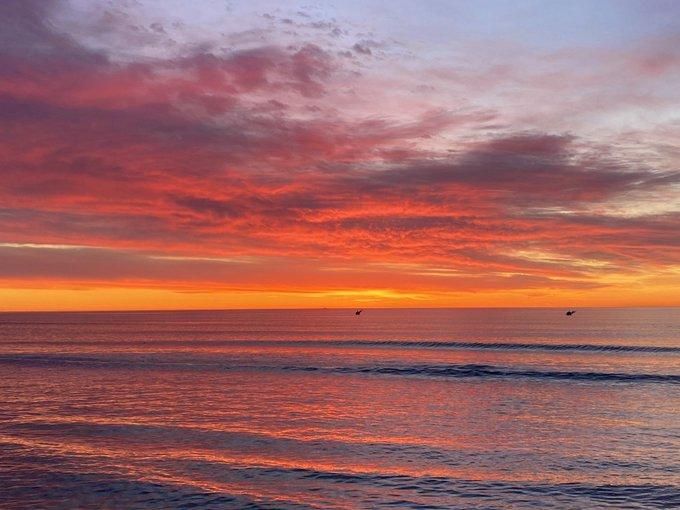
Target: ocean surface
(323, 409)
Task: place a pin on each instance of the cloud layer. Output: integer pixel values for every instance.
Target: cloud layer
(304, 155)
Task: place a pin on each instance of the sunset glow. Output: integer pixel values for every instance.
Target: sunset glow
(165, 155)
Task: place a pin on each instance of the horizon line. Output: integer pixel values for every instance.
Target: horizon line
(170, 310)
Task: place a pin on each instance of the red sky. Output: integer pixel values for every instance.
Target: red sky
(231, 155)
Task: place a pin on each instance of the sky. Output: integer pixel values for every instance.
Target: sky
(164, 154)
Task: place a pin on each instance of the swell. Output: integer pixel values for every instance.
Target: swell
(519, 346)
(59, 488)
(656, 496)
(455, 371)
(62, 478)
(417, 344)
(491, 371)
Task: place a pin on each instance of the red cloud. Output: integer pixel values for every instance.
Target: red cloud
(198, 155)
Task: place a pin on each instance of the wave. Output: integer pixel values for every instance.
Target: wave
(509, 346)
(41, 487)
(654, 496)
(457, 371)
(418, 344)
(60, 488)
(481, 371)
(530, 346)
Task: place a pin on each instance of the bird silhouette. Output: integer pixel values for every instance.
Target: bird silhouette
(570, 312)
(358, 312)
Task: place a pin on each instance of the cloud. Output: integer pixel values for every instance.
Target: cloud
(362, 49)
(97, 266)
(26, 34)
(257, 152)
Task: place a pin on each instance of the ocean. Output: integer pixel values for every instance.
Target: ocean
(324, 409)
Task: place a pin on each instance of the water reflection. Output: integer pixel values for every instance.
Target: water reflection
(133, 424)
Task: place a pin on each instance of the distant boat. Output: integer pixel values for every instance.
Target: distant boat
(570, 312)
(358, 312)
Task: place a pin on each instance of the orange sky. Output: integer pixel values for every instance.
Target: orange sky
(166, 158)
(127, 298)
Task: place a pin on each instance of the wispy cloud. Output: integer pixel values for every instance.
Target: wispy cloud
(266, 159)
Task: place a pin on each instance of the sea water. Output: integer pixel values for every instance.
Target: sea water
(307, 409)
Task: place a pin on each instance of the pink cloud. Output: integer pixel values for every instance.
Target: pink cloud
(248, 153)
